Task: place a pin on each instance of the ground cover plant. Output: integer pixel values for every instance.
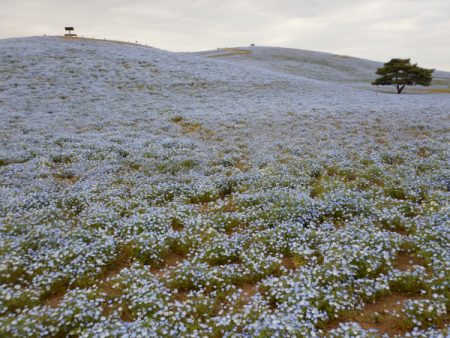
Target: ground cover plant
(148, 193)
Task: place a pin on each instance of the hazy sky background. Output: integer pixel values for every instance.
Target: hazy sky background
(373, 29)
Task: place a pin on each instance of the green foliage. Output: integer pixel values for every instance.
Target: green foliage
(401, 73)
(424, 312)
(61, 159)
(408, 283)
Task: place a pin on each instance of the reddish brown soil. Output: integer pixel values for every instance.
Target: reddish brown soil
(55, 299)
(171, 260)
(405, 261)
(384, 315)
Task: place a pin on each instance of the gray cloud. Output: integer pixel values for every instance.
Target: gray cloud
(374, 29)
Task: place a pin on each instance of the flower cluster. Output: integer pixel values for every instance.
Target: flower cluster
(148, 193)
(424, 312)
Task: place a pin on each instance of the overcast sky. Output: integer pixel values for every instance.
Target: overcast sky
(373, 29)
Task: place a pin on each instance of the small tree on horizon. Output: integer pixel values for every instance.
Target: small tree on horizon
(401, 73)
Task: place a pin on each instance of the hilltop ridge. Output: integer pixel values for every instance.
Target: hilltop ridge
(311, 64)
(37, 71)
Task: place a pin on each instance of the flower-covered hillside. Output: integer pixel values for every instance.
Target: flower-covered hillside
(310, 64)
(150, 193)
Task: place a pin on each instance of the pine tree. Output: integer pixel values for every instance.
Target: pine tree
(401, 73)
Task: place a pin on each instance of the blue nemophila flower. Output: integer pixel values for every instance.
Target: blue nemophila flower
(146, 193)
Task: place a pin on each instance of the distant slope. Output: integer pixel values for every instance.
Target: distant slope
(38, 71)
(50, 74)
(315, 65)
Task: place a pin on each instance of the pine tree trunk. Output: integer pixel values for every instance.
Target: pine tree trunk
(400, 88)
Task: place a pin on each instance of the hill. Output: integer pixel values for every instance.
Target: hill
(315, 65)
(158, 194)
